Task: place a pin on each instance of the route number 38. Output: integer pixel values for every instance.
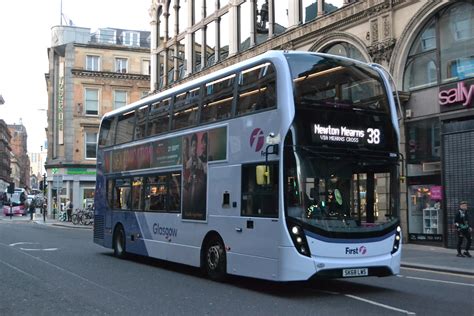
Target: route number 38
(373, 136)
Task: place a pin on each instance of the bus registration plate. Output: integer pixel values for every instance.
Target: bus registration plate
(347, 273)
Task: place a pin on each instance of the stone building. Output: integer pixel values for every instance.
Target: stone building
(18, 144)
(90, 73)
(428, 47)
(5, 150)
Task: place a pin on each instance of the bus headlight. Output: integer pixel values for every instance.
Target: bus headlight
(299, 239)
(396, 242)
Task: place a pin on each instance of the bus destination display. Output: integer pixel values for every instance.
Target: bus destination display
(346, 135)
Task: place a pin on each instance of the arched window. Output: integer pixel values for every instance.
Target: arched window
(346, 50)
(442, 52)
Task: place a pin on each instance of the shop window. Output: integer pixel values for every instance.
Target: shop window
(88, 197)
(424, 141)
(424, 212)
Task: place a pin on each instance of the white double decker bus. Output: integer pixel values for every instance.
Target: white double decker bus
(283, 167)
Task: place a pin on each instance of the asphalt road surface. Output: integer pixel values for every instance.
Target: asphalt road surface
(50, 270)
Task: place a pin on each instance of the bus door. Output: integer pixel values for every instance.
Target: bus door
(259, 226)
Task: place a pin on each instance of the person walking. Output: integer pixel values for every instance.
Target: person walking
(69, 208)
(32, 209)
(461, 221)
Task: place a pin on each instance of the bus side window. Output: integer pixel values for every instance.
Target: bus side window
(185, 110)
(137, 197)
(159, 117)
(175, 192)
(125, 128)
(156, 193)
(122, 194)
(217, 103)
(107, 132)
(256, 89)
(260, 190)
(140, 128)
(110, 193)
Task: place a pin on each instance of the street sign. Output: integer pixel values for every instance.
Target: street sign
(57, 181)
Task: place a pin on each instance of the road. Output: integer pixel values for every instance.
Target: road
(47, 270)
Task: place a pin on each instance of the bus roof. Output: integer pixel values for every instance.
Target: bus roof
(273, 55)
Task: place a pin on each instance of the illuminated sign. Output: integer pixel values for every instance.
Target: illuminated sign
(460, 95)
(345, 134)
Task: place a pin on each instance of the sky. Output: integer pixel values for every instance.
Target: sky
(25, 33)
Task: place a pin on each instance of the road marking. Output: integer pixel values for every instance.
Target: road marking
(380, 304)
(23, 243)
(458, 274)
(31, 249)
(369, 301)
(19, 270)
(40, 249)
(439, 281)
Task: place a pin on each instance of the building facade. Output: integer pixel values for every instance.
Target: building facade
(428, 47)
(5, 150)
(37, 160)
(20, 165)
(90, 73)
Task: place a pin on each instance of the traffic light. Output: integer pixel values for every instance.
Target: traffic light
(41, 185)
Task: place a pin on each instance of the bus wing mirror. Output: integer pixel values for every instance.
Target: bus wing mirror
(262, 173)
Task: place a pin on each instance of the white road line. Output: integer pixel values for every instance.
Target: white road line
(39, 249)
(439, 272)
(380, 304)
(23, 243)
(439, 281)
(368, 301)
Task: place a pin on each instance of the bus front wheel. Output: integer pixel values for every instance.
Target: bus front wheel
(215, 260)
(119, 243)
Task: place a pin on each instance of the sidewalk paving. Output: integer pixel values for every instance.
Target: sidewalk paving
(55, 222)
(436, 259)
(413, 255)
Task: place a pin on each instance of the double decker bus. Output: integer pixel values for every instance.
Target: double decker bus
(282, 167)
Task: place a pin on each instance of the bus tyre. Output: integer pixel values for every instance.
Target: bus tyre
(215, 259)
(119, 243)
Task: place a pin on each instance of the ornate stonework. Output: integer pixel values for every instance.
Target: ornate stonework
(374, 31)
(387, 27)
(381, 52)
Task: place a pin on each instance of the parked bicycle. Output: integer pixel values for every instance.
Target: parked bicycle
(83, 217)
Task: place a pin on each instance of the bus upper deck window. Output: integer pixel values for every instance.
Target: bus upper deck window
(256, 89)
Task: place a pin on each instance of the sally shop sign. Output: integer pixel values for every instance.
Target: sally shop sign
(457, 96)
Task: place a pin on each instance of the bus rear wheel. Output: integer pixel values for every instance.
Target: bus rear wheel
(215, 260)
(119, 243)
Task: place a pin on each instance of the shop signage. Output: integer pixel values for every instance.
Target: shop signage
(80, 171)
(456, 96)
(425, 237)
(436, 193)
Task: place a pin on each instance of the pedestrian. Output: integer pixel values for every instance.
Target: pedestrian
(461, 221)
(69, 207)
(31, 209)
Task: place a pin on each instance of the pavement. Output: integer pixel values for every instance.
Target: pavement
(424, 257)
